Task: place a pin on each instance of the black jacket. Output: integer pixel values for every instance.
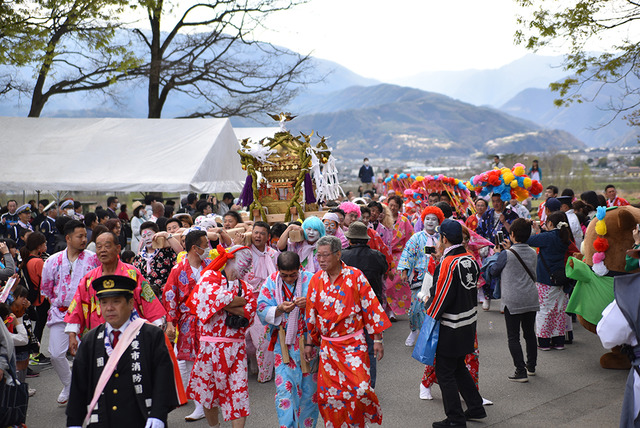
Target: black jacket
(371, 262)
(134, 392)
(454, 299)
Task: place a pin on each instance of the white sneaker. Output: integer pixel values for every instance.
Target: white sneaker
(425, 393)
(197, 414)
(64, 396)
(411, 339)
(486, 305)
(486, 402)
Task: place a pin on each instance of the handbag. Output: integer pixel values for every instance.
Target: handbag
(533, 278)
(559, 277)
(14, 399)
(427, 342)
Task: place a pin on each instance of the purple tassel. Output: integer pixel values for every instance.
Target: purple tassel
(246, 197)
(309, 196)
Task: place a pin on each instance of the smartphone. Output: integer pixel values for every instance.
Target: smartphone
(638, 227)
(429, 250)
(499, 237)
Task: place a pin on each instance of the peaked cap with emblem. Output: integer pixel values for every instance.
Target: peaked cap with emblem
(114, 285)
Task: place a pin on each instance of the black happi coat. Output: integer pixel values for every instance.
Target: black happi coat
(142, 385)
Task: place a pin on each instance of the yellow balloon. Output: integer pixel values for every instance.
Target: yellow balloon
(601, 228)
(419, 178)
(527, 183)
(508, 178)
(518, 171)
(513, 184)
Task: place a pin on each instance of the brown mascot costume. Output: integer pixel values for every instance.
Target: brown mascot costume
(605, 246)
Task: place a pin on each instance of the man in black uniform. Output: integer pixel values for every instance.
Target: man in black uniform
(142, 389)
(373, 265)
(453, 301)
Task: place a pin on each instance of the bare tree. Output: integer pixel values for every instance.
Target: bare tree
(69, 43)
(210, 55)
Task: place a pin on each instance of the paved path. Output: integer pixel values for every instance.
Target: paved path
(570, 389)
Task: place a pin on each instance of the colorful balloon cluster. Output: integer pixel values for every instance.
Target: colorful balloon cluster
(416, 188)
(508, 183)
(601, 244)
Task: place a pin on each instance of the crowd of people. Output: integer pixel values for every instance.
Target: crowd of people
(304, 304)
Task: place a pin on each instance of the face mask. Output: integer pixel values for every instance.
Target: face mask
(118, 206)
(70, 212)
(204, 255)
(366, 163)
(312, 234)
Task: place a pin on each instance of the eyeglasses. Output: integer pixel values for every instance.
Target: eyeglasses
(324, 256)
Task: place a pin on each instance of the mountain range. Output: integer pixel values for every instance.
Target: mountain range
(507, 110)
(398, 122)
(521, 89)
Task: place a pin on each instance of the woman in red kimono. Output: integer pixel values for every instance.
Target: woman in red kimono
(398, 292)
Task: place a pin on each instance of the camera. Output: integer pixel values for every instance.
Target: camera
(499, 237)
(429, 250)
(236, 321)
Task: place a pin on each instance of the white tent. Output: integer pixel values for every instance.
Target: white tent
(125, 155)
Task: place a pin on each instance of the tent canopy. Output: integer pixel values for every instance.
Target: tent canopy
(124, 155)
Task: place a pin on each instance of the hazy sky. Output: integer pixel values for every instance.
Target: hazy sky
(387, 40)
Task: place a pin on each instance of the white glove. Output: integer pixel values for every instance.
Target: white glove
(154, 423)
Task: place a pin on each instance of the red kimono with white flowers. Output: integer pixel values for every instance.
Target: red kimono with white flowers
(337, 313)
(219, 375)
(176, 292)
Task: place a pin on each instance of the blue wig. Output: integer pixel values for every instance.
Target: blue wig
(313, 223)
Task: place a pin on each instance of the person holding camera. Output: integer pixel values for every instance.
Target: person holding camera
(414, 262)
(494, 226)
(516, 266)
(554, 244)
(225, 306)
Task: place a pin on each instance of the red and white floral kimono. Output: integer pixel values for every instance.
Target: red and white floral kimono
(398, 292)
(337, 314)
(219, 375)
(176, 292)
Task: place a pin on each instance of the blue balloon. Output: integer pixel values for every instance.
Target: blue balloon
(601, 212)
(388, 179)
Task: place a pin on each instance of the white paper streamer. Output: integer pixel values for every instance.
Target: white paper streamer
(325, 178)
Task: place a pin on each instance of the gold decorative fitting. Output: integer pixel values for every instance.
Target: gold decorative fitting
(109, 283)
